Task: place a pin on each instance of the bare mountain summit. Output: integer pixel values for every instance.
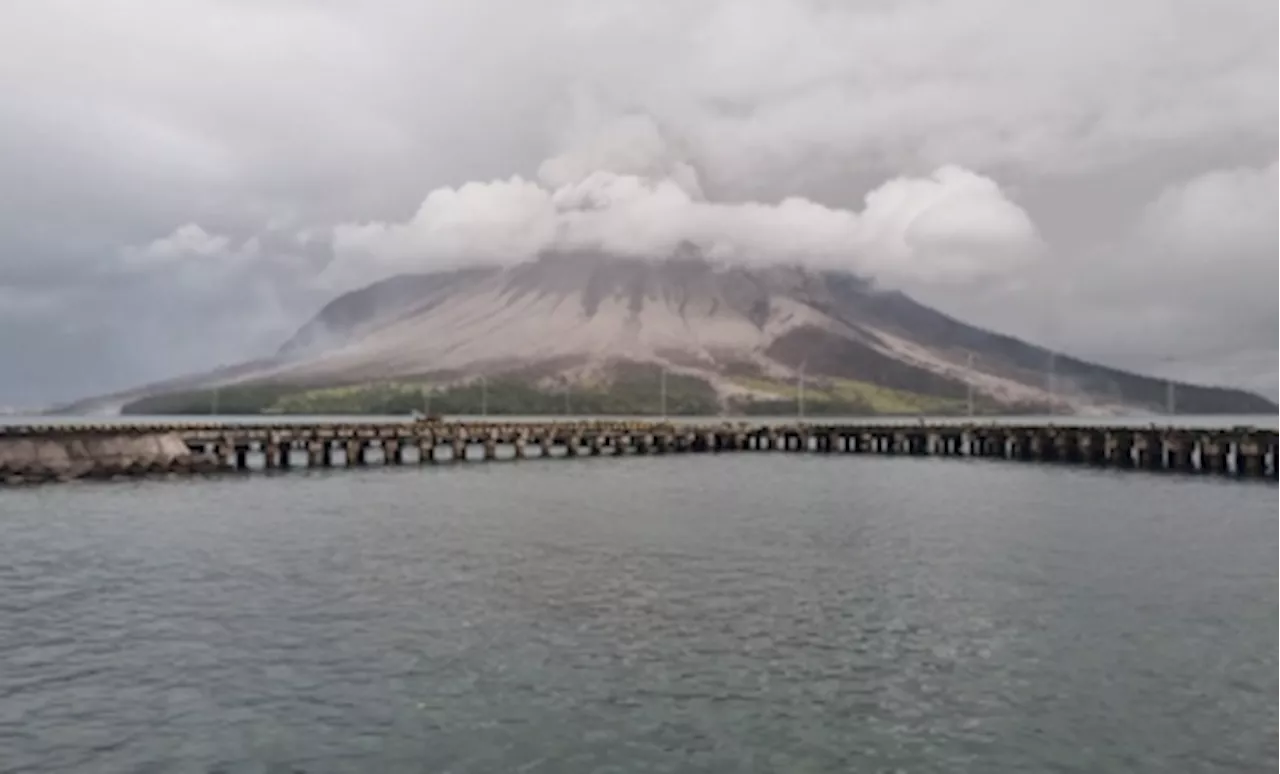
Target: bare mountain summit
(748, 334)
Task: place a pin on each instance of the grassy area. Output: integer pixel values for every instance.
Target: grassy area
(630, 390)
(232, 399)
(376, 398)
(840, 397)
(884, 400)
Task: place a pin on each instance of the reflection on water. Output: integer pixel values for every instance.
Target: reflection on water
(722, 613)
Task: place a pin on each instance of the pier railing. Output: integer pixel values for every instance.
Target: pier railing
(34, 453)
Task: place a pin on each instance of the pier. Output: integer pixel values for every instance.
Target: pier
(59, 452)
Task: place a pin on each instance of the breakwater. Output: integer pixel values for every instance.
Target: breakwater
(50, 456)
(43, 453)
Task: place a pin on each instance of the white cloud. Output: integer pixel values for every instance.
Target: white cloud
(641, 198)
(1189, 291)
(631, 145)
(1207, 248)
(187, 243)
(760, 89)
(1058, 87)
(1229, 214)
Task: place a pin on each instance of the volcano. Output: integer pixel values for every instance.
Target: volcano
(750, 336)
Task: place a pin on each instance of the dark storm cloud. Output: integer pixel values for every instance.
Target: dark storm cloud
(1139, 138)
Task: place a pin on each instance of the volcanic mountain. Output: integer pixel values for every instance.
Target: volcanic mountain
(747, 335)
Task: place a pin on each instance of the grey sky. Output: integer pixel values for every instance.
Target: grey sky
(171, 174)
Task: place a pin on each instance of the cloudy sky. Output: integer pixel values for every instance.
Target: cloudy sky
(183, 183)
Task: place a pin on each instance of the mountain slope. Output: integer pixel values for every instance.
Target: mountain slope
(748, 334)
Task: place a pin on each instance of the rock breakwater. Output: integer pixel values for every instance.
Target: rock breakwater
(63, 458)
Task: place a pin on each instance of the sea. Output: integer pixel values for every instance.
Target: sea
(753, 612)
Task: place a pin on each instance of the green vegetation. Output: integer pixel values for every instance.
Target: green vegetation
(632, 389)
(884, 400)
(375, 398)
(842, 397)
(232, 399)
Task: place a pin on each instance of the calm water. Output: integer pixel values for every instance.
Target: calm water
(735, 613)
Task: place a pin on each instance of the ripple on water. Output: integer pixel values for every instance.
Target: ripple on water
(737, 613)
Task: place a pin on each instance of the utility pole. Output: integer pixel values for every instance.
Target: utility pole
(664, 393)
(800, 393)
(1170, 389)
(1049, 341)
(1053, 383)
(484, 397)
(969, 384)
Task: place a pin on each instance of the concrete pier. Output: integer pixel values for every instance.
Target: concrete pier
(39, 453)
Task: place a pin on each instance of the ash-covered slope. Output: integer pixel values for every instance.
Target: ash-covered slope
(683, 312)
(575, 314)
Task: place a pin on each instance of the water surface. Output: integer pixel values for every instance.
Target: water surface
(735, 613)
